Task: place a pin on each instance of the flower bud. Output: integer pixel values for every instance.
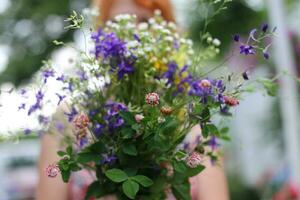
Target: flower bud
(194, 160)
(152, 99)
(138, 118)
(52, 171)
(231, 101)
(81, 121)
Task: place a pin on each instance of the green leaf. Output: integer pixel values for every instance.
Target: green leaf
(128, 117)
(179, 155)
(180, 167)
(130, 149)
(269, 86)
(194, 171)
(61, 153)
(65, 174)
(205, 131)
(213, 129)
(88, 157)
(143, 180)
(130, 188)
(224, 130)
(69, 150)
(116, 175)
(182, 191)
(94, 190)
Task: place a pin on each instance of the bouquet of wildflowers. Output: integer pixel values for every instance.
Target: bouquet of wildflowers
(132, 104)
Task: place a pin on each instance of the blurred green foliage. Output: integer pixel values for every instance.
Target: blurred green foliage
(238, 17)
(28, 27)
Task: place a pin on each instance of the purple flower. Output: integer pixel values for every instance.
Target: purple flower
(60, 127)
(72, 114)
(169, 74)
(113, 52)
(39, 97)
(60, 98)
(22, 106)
(47, 73)
(137, 37)
(43, 120)
(213, 143)
(246, 49)
(27, 131)
(23, 91)
(61, 78)
(108, 159)
(245, 75)
(208, 88)
(33, 108)
(264, 27)
(266, 55)
(113, 118)
(98, 129)
(124, 67)
(176, 45)
(82, 75)
(114, 108)
(236, 38)
(69, 87)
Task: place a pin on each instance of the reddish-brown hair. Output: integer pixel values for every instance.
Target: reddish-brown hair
(163, 5)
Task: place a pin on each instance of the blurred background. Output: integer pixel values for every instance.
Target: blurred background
(262, 159)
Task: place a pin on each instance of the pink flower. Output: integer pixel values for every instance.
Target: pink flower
(52, 170)
(231, 101)
(194, 160)
(205, 83)
(152, 99)
(81, 121)
(138, 118)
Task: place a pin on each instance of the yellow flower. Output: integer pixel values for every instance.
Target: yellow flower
(160, 66)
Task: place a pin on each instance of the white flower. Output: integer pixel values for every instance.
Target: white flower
(143, 26)
(161, 119)
(172, 25)
(189, 42)
(190, 51)
(158, 27)
(148, 49)
(209, 39)
(169, 39)
(216, 42)
(166, 31)
(109, 23)
(151, 21)
(122, 17)
(163, 23)
(132, 44)
(130, 26)
(182, 41)
(115, 26)
(157, 12)
(127, 54)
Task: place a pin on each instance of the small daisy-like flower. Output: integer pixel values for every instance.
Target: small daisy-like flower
(231, 101)
(81, 121)
(52, 170)
(166, 110)
(138, 118)
(205, 83)
(152, 99)
(194, 160)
